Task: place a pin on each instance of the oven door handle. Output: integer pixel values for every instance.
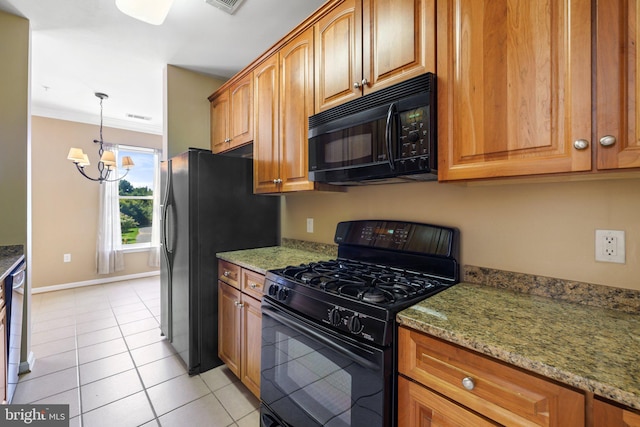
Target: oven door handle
(391, 114)
(312, 332)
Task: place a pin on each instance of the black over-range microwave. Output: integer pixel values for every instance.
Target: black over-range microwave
(386, 136)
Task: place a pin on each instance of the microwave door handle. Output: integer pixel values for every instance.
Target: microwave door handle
(391, 114)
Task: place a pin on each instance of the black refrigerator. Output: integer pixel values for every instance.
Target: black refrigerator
(208, 206)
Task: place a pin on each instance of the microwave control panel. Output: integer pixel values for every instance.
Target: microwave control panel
(414, 133)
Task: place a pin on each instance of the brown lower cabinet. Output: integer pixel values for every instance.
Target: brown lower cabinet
(240, 322)
(442, 384)
(610, 415)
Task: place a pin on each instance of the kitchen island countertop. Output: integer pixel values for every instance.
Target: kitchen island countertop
(273, 257)
(590, 348)
(10, 257)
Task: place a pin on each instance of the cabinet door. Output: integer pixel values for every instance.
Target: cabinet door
(296, 105)
(4, 343)
(229, 318)
(241, 112)
(420, 407)
(498, 391)
(514, 87)
(606, 414)
(220, 122)
(251, 343)
(617, 85)
(398, 41)
(266, 143)
(338, 55)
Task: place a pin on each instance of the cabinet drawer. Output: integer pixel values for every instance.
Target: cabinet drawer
(252, 283)
(229, 273)
(496, 390)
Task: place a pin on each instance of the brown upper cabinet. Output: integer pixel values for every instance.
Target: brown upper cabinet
(365, 45)
(283, 103)
(514, 87)
(617, 84)
(232, 115)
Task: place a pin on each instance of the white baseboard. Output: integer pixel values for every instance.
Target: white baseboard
(64, 286)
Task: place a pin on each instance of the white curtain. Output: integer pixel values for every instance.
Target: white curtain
(110, 257)
(154, 249)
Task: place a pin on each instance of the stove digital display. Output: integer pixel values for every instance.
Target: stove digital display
(411, 237)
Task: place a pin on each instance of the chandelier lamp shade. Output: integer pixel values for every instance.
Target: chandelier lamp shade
(150, 11)
(107, 162)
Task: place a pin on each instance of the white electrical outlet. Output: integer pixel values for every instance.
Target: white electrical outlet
(610, 246)
(309, 225)
(66, 258)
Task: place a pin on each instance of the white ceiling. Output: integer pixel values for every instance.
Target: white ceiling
(79, 47)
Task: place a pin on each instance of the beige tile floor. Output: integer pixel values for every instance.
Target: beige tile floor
(99, 349)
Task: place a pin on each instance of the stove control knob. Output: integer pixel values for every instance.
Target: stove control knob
(355, 325)
(334, 317)
(273, 290)
(283, 293)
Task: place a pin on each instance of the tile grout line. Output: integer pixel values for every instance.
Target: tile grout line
(135, 365)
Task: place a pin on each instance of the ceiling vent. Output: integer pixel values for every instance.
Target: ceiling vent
(228, 6)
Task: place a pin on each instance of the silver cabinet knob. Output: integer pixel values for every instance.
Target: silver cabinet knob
(228, 140)
(607, 140)
(365, 82)
(467, 382)
(226, 273)
(253, 285)
(277, 181)
(580, 144)
(356, 85)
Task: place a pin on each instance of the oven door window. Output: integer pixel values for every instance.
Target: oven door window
(307, 381)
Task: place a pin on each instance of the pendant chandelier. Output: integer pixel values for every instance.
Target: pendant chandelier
(107, 162)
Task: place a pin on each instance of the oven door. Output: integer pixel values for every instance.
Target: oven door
(311, 376)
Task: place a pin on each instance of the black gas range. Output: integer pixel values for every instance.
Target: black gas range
(328, 327)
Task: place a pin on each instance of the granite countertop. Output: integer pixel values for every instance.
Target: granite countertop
(10, 257)
(591, 348)
(263, 259)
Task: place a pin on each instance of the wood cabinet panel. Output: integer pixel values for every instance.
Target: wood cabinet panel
(502, 393)
(338, 55)
(229, 273)
(366, 45)
(251, 343)
(399, 39)
(4, 344)
(232, 115)
(609, 415)
(229, 326)
(266, 145)
(219, 121)
(420, 407)
(514, 89)
(252, 283)
(240, 322)
(241, 112)
(296, 105)
(617, 85)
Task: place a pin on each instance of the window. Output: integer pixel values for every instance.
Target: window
(136, 197)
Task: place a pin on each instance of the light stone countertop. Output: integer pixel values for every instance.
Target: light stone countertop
(10, 257)
(270, 258)
(591, 348)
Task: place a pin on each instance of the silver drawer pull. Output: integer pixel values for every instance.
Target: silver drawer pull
(253, 285)
(467, 382)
